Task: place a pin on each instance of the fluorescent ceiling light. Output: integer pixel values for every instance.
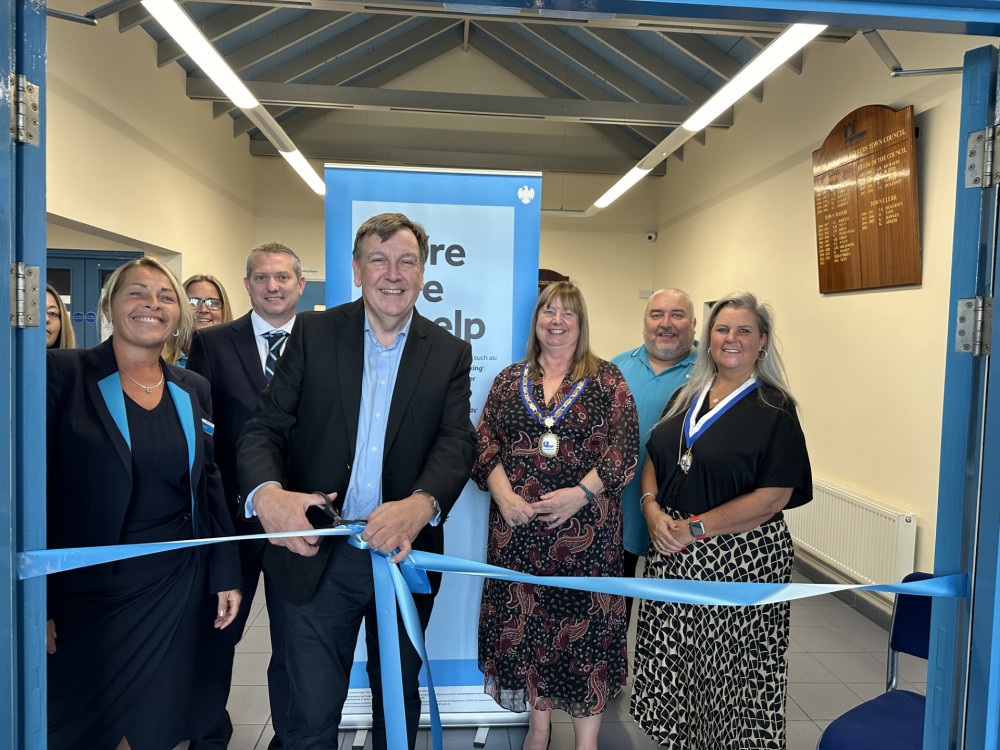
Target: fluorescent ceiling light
(776, 53)
(179, 25)
(631, 177)
(307, 173)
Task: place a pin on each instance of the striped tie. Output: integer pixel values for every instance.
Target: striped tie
(274, 340)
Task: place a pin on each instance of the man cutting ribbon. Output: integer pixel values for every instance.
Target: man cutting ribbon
(370, 405)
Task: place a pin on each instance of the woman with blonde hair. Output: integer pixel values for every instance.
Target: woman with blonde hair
(725, 462)
(130, 461)
(208, 299)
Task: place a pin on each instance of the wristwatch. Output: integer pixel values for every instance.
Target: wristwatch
(435, 505)
(696, 527)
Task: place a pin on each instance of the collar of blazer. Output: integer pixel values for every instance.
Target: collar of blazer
(245, 343)
(106, 389)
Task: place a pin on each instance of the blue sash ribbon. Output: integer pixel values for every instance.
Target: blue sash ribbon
(694, 427)
(395, 582)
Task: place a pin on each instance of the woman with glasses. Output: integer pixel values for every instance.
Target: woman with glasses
(209, 305)
(558, 440)
(208, 300)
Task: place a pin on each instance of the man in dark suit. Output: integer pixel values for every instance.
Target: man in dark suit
(235, 358)
(370, 404)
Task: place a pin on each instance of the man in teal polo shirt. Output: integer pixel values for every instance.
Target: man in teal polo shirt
(653, 372)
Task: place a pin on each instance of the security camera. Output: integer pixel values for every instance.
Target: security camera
(650, 236)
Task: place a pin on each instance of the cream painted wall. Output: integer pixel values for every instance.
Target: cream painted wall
(133, 164)
(867, 366)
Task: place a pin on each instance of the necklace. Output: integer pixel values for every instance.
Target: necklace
(147, 388)
(717, 399)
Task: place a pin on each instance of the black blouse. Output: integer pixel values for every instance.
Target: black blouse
(757, 443)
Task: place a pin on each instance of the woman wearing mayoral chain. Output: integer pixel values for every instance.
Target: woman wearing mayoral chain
(725, 461)
(558, 440)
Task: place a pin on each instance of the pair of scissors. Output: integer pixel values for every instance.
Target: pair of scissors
(327, 516)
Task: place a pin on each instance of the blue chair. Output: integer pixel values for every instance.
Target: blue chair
(895, 719)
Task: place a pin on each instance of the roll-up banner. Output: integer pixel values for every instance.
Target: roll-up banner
(480, 283)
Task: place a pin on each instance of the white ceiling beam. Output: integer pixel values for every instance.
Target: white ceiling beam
(564, 110)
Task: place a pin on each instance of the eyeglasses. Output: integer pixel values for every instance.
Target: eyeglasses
(212, 303)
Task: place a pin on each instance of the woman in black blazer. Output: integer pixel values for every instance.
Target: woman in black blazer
(130, 461)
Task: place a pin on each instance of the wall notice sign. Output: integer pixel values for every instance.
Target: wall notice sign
(865, 191)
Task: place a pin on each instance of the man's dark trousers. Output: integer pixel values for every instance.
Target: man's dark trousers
(327, 635)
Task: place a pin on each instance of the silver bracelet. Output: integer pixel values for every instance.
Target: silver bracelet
(642, 498)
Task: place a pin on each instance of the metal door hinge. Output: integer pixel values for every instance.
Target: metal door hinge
(25, 296)
(25, 110)
(975, 326)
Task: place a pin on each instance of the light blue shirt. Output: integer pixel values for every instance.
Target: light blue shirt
(381, 365)
(364, 493)
(651, 392)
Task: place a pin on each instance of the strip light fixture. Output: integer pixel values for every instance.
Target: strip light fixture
(179, 25)
(789, 42)
(298, 162)
(631, 177)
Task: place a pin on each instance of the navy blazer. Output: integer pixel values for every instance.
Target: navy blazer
(227, 356)
(90, 460)
(304, 430)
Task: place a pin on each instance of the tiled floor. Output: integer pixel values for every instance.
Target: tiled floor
(836, 658)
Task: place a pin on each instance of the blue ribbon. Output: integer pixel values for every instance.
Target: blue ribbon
(41, 562)
(386, 574)
(395, 582)
(722, 593)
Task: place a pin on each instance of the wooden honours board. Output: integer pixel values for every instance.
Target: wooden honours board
(865, 191)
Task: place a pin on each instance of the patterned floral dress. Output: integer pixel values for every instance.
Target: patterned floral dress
(538, 645)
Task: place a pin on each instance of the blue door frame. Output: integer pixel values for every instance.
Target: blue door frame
(967, 530)
(962, 694)
(22, 383)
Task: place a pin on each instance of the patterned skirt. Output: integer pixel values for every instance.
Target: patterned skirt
(715, 677)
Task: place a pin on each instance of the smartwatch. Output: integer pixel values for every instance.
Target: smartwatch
(696, 527)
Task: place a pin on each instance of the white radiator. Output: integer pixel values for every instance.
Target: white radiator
(868, 540)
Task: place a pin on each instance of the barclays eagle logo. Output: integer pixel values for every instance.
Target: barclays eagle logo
(526, 194)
